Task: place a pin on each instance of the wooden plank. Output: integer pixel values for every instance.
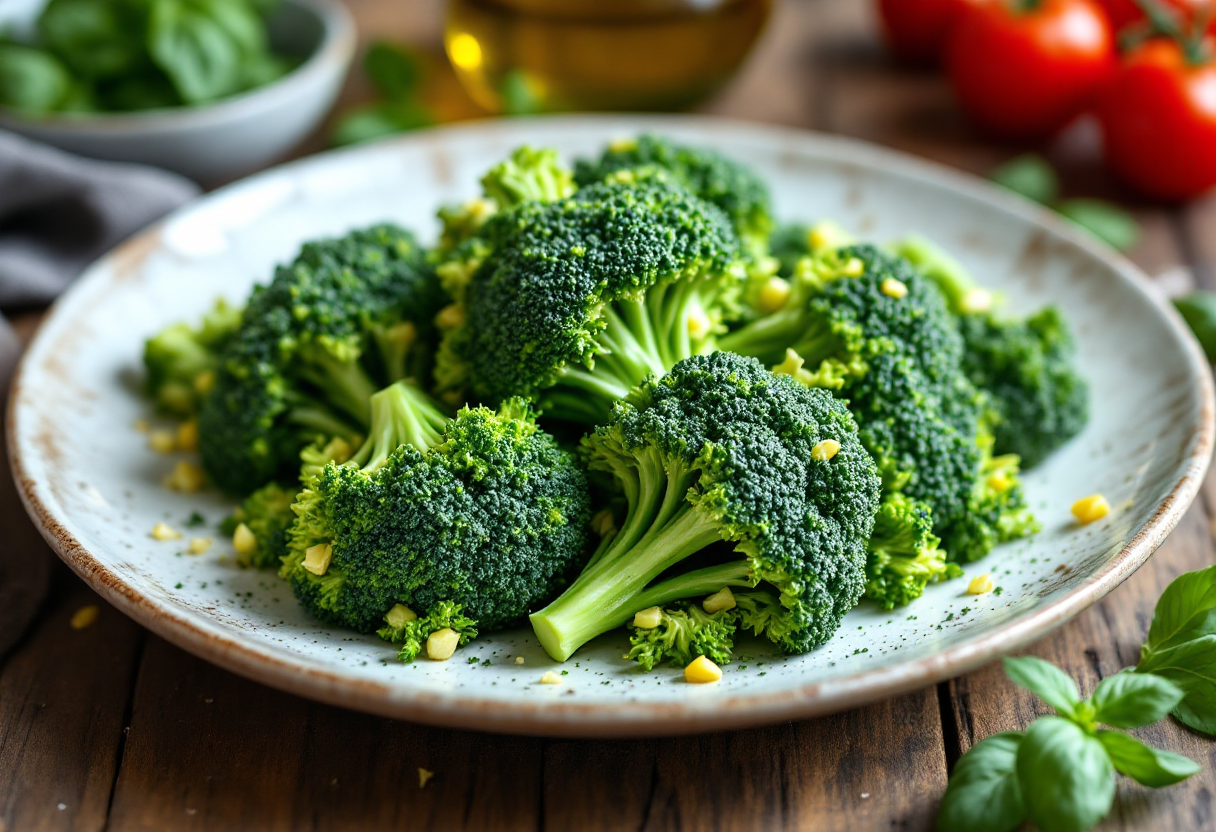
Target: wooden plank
(880, 767)
(63, 696)
(210, 750)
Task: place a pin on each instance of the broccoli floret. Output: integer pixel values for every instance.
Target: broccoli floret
(865, 323)
(180, 360)
(347, 317)
(733, 187)
(267, 514)
(718, 450)
(527, 175)
(996, 508)
(904, 554)
(789, 244)
(412, 633)
(482, 510)
(582, 298)
(684, 632)
(1026, 365)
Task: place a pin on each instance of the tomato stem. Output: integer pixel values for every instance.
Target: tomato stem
(1163, 21)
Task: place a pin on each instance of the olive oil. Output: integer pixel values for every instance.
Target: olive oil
(552, 55)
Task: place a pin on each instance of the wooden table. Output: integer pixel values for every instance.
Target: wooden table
(112, 728)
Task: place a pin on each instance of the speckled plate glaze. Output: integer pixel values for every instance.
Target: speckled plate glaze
(92, 485)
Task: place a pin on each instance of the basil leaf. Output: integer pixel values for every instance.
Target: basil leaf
(1187, 608)
(1051, 684)
(1192, 666)
(196, 49)
(95, 38)
(31, 80)
(1146, 765)
(1066, 776)
(1129, 700)
(1029, 175)
(240, 21)
(393, 70)
(983, 792)
(1198, 309)
(1105, 220)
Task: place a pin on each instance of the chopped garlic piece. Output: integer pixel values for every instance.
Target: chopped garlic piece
(853, 267)
(317, 558)
(244, 541)
(187, 477)
(825, 450)
(441, 644)
(773, 295)
(550, 678)
(187, 436)
(163, 531)
(980, 585)
(84, 616)
(519, 659)
(162, 441)
(701, 670)
(723, 599)
(400, 615)
(647, 619)
(893, 288)
(199, 545)
(1091, 508)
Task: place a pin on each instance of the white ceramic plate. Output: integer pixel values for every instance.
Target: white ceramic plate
(93, 486)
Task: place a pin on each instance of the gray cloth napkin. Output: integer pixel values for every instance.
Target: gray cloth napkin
(59, 212)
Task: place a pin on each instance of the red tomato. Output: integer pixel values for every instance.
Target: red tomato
(1125, 12)
(1023, 70)
(1158, 119)
(916, 30)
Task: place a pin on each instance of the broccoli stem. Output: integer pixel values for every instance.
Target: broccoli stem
(792, 327)
(630, 348)
(661, 529)
(400, 415)
(344, 384)
(321, 420)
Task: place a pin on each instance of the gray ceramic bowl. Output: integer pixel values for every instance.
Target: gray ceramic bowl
(219, 141)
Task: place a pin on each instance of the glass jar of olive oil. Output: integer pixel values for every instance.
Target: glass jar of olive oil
(552, 55)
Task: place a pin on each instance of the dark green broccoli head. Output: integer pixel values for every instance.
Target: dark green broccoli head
(683, 632)
(583, 298)
(721, 449)
(904, 554)
(482, 510)
(266, 515)
(181, 359)
(347, 316)
(1028, 368)
(730, 185)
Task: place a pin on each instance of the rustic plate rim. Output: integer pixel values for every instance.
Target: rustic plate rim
(562, 718)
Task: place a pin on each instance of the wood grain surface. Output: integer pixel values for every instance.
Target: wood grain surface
(108, 728)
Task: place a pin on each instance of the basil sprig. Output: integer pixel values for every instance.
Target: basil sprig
(1060, 772)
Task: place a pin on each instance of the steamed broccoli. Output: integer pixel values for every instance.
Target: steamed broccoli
(718, 450)
(180, 360)
(866, 324)
(904, 554)
(267, 515)
(348, 316)
(527, 175)
(1027, 365)
(734, 188)
(582, 298)
(482, 510)
(684, 631)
